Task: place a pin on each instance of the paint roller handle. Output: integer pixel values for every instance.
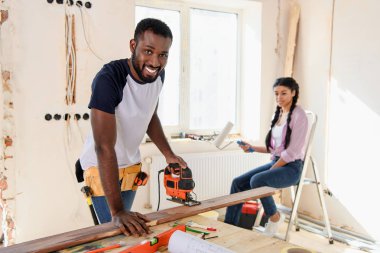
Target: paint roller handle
(242, 143)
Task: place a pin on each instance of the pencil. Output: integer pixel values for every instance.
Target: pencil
(105, 248)
(210, 237)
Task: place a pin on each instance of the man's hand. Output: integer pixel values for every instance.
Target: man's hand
(176, 159)
(131, 223)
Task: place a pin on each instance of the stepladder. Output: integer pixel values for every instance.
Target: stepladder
(296, 192)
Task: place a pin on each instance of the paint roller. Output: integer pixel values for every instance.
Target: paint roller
(222, 136)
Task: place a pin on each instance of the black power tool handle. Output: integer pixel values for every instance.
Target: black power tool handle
(177, 170)
(174, 165)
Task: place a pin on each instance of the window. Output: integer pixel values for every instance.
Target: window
(213, 63)
(202, 89)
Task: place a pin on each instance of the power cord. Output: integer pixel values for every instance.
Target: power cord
(85, 34)
(159, 197)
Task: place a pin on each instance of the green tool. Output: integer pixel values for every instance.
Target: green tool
(192, 230)
(196, 231)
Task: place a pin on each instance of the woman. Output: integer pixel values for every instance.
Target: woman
(285, 141)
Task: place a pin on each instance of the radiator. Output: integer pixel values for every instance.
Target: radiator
(212, 172)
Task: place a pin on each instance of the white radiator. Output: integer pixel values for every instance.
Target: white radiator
(212, 172)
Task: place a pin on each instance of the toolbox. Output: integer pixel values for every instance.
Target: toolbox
(249, 213)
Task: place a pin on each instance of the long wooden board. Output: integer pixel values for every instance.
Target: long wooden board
(84, 235)
(292, 38)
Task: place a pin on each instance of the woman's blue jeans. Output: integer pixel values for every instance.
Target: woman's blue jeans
(281, 177)
(101, 207)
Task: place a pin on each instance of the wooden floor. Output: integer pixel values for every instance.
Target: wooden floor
(317, 242)
(311, 241)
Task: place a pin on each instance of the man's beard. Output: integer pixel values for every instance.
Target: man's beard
(139, 71)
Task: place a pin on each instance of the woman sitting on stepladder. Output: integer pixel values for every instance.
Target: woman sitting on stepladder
(285, 141)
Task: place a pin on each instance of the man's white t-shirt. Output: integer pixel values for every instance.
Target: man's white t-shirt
(115, 91)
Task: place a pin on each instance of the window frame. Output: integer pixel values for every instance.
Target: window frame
(184, 8)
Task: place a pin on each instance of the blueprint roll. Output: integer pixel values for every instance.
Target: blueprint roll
(222, 136)
(181, 242)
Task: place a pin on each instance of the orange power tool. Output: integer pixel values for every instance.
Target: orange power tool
(155, 243)
(179, 184)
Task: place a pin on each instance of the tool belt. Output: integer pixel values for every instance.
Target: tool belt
(126, 179)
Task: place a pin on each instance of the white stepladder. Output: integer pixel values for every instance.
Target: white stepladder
(296, 193)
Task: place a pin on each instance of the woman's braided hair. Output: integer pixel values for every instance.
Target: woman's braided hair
(293, 86)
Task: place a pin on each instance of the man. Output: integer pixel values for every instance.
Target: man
(123, 107)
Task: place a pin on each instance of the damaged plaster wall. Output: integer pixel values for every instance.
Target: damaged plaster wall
(7, 126)
(7, 169)
(46, 199)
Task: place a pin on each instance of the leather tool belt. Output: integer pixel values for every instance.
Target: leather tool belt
(126, 179)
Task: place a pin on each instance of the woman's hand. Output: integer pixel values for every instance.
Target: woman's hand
(245, 146)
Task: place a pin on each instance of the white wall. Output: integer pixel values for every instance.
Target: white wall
(311, 70)
(354, 113)
(48, 200)
(337, 61)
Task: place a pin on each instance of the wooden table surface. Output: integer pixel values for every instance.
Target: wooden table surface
(94, 233)
(234, 238)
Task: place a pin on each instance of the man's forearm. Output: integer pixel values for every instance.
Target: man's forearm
(109, 176)
(156, 134)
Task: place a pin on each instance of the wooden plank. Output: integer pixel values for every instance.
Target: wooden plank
(292, 37)
(84, 235)
(175, 213)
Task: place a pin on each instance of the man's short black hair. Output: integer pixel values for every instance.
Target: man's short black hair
(155, 25)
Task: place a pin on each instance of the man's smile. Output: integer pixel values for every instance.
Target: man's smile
(151, 70)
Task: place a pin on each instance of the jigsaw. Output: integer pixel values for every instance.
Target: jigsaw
(179, 185)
